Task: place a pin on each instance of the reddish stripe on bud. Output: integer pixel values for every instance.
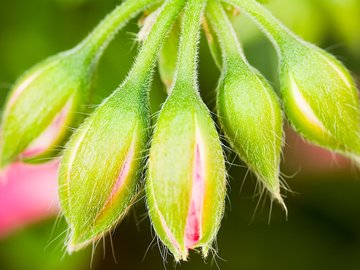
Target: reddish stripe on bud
(193, 223)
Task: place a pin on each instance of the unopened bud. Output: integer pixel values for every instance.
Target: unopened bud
(248, 109)
(99, 169)
(186, 181)
(251, 118)
(320, 98)
(42, 106)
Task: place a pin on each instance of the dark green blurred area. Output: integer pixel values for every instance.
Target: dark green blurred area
(323, 227)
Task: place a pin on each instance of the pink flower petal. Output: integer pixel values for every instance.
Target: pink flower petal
(28, 193)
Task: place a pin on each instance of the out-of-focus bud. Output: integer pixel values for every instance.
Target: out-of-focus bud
(42, 106)
(168, 57)
(213, 43)
(99, 169)
(186, 180)
(320, 98)
(146, 24)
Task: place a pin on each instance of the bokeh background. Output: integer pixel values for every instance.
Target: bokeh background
(323, 227)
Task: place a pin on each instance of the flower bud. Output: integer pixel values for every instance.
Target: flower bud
(99, 169)
(251, 118)
(168, 57)
(42, 106)
(248, 109)
(186, 181)
(320, 98)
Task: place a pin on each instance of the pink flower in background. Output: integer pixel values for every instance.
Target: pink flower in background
(28, 193)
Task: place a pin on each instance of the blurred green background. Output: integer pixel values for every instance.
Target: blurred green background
(323, 226)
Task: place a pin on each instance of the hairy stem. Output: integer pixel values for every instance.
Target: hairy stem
(140, 74)
(231, 48)
(97, 41)
(188, 51)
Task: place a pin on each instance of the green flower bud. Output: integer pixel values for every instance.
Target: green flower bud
(44, 102)
(186, 180)
(320, 98)
(248, 109)
(99, 169)
(42, 106)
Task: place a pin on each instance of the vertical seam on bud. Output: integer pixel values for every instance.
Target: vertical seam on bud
(193, 229)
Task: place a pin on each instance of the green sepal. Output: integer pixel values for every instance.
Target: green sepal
(110, 143)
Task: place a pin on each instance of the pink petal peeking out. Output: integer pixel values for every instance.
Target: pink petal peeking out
(193, 224)
(28, 193)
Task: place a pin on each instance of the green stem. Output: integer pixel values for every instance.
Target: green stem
(97, 41)
(230, 46)
(273, 28)
(146, 59)
(186, 71)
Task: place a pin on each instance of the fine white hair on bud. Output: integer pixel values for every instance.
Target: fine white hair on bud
(186, 180)
(102, 162)
(248, 109)
(100, 167)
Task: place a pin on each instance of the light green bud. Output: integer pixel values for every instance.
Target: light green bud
(186, 181)
(42, 106)
(319, 96)
(101, 165)
(248, 109)
(102, 161)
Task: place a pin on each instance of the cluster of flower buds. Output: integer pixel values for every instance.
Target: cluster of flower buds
(103, 161)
